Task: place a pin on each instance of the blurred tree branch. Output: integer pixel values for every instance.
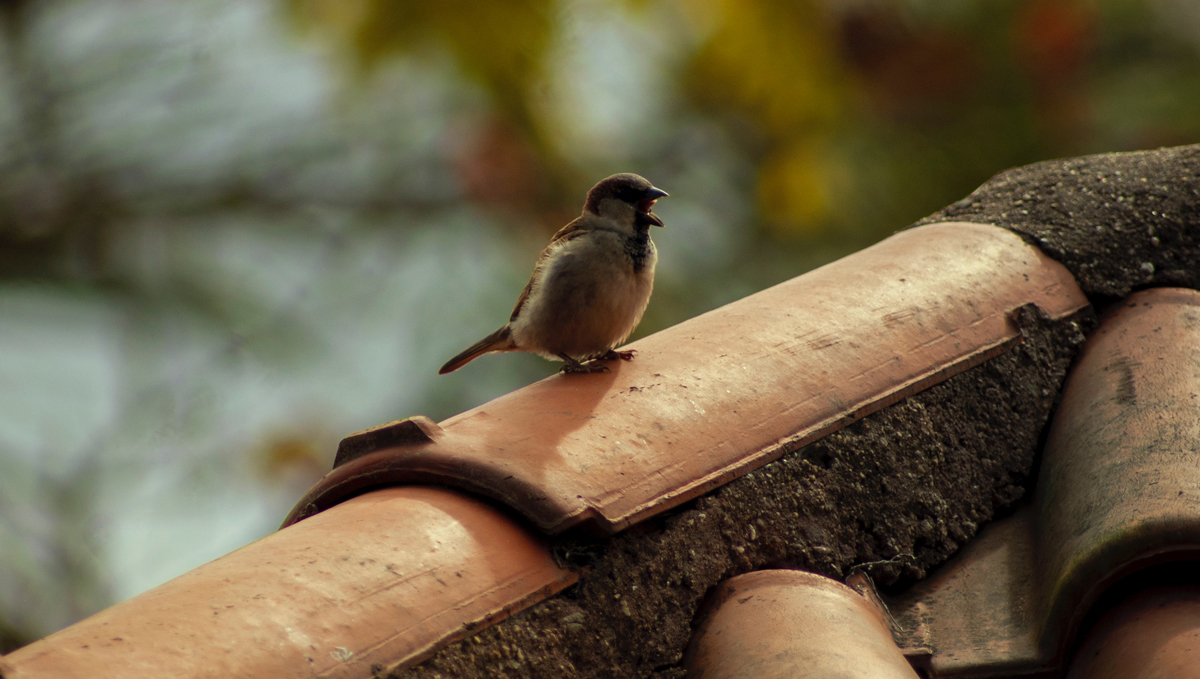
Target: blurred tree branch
(45, 212)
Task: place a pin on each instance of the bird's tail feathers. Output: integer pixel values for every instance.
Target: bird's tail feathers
(501, 340)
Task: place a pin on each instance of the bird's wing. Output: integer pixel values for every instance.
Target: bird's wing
(573, 230)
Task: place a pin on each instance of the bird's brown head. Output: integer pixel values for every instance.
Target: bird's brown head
(622, 194)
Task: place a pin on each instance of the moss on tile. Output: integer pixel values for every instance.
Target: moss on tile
(896, 493)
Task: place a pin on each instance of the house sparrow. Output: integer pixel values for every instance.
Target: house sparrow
(589, 286)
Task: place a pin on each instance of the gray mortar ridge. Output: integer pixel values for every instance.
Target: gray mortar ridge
(898, 491)
(1119, 222)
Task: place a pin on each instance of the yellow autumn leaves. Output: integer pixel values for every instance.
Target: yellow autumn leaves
(769, 60)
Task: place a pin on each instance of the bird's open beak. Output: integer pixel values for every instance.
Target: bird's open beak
(645, 205)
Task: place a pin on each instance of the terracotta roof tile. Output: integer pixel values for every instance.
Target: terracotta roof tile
(717, 396)
(1117, 490)
(783, 624)
(1152, 634)
(387, 577)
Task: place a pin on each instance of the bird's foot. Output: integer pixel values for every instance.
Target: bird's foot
(613, 355)
(577, 368)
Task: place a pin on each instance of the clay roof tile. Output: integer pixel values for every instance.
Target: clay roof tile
(383, 579)
(1151, 634)
(728, 391)
(1117, 492)
(780, 624)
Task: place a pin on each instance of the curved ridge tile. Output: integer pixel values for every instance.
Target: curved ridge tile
(379, 581)
(730, 390)
(1118, 489)
(780, 624)
(1120, 477)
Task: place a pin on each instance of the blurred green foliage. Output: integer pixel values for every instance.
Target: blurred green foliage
(501, 45)
(860, 116)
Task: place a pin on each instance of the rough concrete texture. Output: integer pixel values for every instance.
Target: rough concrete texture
(896, 493)
(1118, 221)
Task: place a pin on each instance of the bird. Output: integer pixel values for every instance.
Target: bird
(589, 286)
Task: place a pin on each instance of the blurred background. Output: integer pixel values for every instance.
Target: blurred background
(233, 231)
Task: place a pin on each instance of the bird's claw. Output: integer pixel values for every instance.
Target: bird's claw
(595, 366)
(613, 355)
(583, 368)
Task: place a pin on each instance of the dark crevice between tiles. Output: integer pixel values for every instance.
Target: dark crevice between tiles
(1119, 222)
(918, 478)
